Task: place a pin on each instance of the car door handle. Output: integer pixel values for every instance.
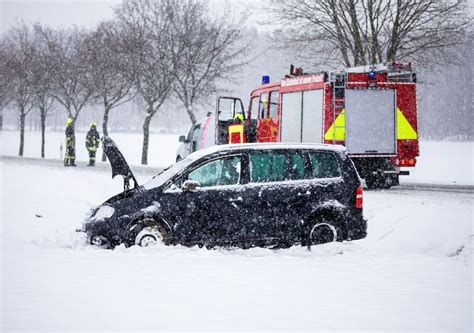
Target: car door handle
(306, 194)
(238, 199)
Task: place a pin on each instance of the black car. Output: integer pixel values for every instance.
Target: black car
(242, 195)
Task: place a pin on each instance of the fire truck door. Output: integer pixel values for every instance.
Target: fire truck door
(301, 116)
(227, 109)
(370, 121)
(291, 104)
(312, 116)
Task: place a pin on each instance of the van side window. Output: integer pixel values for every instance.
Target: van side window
(324, 165)
(273, 104)
(220, 172)
(276, 166)
(254, 108)
(196, 138)
(263, 105)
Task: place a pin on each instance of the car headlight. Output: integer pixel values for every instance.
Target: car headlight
(103, 212)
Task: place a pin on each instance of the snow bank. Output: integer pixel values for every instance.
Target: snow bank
(443, 162)
(403, 276)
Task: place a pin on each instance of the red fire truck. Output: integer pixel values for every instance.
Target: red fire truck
(369, 109)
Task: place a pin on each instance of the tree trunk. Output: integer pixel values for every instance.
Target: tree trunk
(190, 112)
(105, 121)
(146, 137)
(43, 128)
(22, 131)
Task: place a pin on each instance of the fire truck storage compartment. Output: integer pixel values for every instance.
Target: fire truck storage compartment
(301, 116)
(370, 121)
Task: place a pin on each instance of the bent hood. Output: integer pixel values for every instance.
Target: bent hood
(117, 162)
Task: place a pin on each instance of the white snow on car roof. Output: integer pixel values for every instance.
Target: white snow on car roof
(270, 145)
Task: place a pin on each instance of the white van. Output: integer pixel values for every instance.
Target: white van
(204, 134)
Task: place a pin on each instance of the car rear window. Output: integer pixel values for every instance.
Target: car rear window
(276, 166)
(324, 165)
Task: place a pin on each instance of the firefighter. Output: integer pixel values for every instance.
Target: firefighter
(92, 143)
(236, 129)
(70, 155)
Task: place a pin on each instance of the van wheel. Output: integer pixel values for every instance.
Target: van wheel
(150, 235)
(322, 233)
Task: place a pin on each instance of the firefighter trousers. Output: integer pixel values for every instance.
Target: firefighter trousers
(91, 157)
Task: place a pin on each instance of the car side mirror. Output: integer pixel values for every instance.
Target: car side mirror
(182, 138)
(190, 186)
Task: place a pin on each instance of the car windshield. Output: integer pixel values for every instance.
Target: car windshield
(162, 177)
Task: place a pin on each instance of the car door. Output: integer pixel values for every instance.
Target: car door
(277, 192)
(209, 214)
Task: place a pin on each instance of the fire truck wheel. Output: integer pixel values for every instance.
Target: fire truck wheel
(372, 182)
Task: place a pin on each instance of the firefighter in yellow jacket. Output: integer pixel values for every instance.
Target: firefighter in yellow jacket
(92, 143)
(70, 155)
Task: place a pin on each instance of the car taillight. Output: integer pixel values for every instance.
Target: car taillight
(359, 197)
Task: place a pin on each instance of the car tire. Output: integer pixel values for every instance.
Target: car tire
(372, 182)
(322, 232)
(151, 235)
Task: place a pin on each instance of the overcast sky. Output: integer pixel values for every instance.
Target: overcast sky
(86, 13)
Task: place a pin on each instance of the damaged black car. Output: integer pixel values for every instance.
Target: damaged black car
(242, 195)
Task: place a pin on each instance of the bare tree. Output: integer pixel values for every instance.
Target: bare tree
(19, 42)
(72, 75)
(5, 78)
(371, 31)
(43, 74)
(112, 74)
(204, 49)
(148, 26)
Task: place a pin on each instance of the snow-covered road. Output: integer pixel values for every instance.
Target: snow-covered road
(412, 272)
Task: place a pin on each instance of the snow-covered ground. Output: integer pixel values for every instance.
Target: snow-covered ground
(439, 162)
(412, 272)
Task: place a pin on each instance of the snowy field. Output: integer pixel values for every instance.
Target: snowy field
(412, 272)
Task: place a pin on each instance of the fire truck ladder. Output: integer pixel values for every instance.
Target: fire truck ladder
(339, 84)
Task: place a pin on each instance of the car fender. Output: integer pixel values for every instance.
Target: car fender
(145, 219)
(332, 212)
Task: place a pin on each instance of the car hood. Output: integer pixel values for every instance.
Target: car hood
(117, 162)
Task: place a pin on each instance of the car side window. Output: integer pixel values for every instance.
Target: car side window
(324, 165)
(196, 138)
(223, 171)
(276, 166)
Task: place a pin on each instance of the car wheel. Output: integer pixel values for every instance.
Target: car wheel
(322, 233)
(149, 236)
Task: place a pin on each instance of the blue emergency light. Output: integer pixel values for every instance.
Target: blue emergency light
(265, 79)
(372, 74)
